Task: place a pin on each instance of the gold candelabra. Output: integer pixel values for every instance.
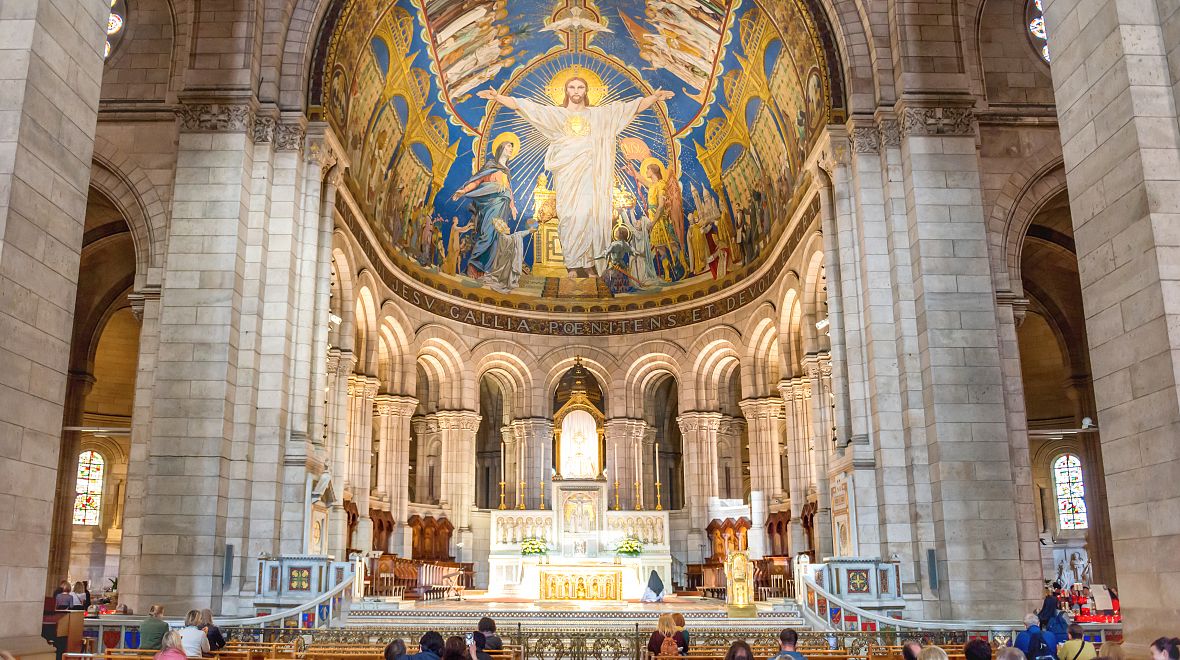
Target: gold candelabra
(519, 496)
(659, 502)
(638, 497)
(502, 507)
(616, 495)
(542, 494)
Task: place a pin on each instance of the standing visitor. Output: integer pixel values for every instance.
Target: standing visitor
(153, 628)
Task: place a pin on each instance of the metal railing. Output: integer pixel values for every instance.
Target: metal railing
(824, 611)
(330, 608)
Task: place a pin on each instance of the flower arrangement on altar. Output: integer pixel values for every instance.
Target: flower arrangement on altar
(532, 547)
(630, 546)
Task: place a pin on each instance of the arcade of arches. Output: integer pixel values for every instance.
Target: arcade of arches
(323, 276)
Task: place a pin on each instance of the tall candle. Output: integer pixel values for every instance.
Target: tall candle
(657, 452)
(503, 457)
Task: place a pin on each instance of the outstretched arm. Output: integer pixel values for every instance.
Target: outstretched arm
(493, 95)
(654, 98)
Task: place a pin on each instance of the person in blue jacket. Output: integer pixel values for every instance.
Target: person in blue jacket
(1034, 642)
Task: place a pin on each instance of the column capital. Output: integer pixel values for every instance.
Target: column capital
(423, 424)
(393, 405)
(626, 427)
(139, 300)
(204, 115)
(766, 407)
(524, 427)
(950, 116)
(460, 420)
(699, 421)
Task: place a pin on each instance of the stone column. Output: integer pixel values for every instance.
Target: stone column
(361, 391)
(1114, 72)
(972, 480)
(699, 431)
(624, 437)
(458, 429)
(393, 438)
(510, 474)
(649, 477)
(427, 431)
(339, 367)
(796, 394)
(729, 434)
(535, 436)
(78, 385)
(819, 372)
(764, 419)
(53, 54)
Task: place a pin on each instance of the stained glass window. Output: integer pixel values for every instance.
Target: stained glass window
(1035, 15)
(115, 24)
(1070, 492)
(88, 502)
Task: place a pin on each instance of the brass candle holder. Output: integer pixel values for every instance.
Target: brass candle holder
(542, 495)
(638, 497)
(519, 498)
(616, 495)
(659, 501)
(502, 507)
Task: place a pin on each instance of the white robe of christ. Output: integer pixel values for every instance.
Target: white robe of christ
(581, 157)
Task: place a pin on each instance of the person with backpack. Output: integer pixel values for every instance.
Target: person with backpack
(1036, 643)
(666, 640)
(1077, 648)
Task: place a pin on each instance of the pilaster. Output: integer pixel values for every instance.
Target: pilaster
(699, 432)
(764, 419)
(458, 429)
(393, 414)
(534, 437)
(361, 391)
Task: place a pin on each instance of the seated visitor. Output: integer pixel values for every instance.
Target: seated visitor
(216, 639)
(977, 649)
(153, 628)
(681, 626)
(1165, 648)
(739, 650)
(787, 641)
(1034, 642)
(1076, 648)
(664, 639)
(395, 650)
(932, 653)
(171, 647)
(430, 647)
(80, 597)
(480, 642)
(1112, 651)
(487, 626)
(910, 649)
(1009, 653)
(456, 649)
(192, 638)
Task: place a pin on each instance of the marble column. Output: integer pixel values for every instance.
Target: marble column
(699, 432)
(509, 467)
(624, 439)
(819, 372)
(340, 364)
(764, 419)
(458, 428)
(796, 393)
(393, 479)
(534, 436)
(361, 391)
(648, 478)
(427, 470)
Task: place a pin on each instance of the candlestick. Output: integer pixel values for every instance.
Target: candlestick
(519, 499)
(502, 507)
(659, 502)
(542, 494)
(638, 497)
(617, 494)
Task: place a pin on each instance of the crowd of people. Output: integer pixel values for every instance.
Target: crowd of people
(199, 636)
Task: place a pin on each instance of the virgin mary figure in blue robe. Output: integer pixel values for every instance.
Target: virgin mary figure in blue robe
(490, 192)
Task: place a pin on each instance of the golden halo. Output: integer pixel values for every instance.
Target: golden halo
(648, 162)
(507, 136)
(596, 89)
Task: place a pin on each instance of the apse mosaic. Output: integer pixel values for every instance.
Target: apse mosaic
(613, 151)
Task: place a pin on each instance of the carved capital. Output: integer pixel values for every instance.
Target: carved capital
(216, 117)
(866, 140)
(139, 299)
(770, 407)
(937, 121)
(264, 129)
(699, 421)
(289, 136)
(457, 420)
(890, 133)
(393, 405)
(319, 151)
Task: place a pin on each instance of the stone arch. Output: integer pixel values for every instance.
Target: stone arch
(132, 192)
(365, 324)
(440, 355)
(790, 327)
(813, 302)
(716, 355)
(645, 364)
(512, 364)
(396, 372)
(555, 363)
(1023, 195)
(343, 298)
(761, 361)
(292, 63)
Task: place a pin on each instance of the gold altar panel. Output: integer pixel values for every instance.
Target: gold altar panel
(570, 583)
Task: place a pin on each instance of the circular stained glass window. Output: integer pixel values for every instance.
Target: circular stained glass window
(1035, 18)
(116, 23)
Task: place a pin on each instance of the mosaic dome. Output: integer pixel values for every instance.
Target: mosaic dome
(575, 156)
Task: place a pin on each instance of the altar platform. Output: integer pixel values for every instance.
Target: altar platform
(512, 610)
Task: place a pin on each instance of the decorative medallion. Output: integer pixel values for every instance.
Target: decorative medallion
(858, 581)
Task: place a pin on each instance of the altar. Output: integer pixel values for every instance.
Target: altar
(581, 534)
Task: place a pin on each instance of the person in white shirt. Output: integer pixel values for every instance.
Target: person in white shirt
(192, 638)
